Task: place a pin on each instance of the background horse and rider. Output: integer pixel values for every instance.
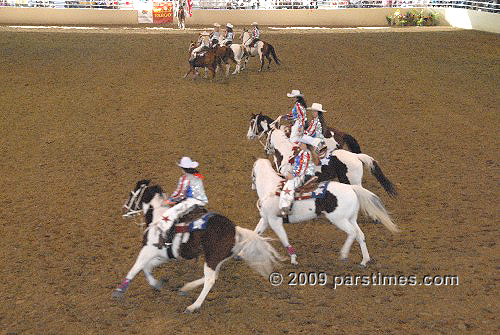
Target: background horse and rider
(211, 59)
(259, 48)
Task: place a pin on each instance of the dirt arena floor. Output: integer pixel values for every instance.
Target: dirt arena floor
(86, 113)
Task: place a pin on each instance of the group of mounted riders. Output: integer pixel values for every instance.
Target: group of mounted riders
(216, 48)
(308, 140)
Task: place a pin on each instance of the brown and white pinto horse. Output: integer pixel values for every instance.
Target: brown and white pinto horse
(219, 240)
(260, 48)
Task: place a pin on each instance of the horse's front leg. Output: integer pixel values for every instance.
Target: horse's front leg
(148, 273)
(190, 69)
(261, 226)
(146, 254)
(277, 226)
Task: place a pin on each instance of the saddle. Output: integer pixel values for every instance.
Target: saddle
(183, 223)
(306, 191)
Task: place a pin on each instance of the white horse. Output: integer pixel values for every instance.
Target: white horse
(344, 165)
(340, 205)
(261, 48)
(220, 240)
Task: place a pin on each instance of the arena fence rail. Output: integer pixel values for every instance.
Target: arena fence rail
(486, 6)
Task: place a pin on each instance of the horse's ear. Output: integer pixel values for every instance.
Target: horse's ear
(253, 115)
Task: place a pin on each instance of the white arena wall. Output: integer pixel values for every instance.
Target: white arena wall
(350, 17)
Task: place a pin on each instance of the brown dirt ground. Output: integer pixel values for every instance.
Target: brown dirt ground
(86, 114)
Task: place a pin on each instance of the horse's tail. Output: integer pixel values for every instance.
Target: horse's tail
(352, 144)
(256, 251)
(371, 205)
(273, 53)
(378, 174)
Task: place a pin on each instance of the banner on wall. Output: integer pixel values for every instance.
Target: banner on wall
(163, 12)
(144, 11)
(154, 11)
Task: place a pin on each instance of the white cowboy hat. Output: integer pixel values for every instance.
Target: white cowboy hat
(187, 163)
(254, 24)
(229, 25)
(216, 24)
(294, 94)
(204, 33)
(316, 107)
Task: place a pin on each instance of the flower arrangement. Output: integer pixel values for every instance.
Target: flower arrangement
(412, 18)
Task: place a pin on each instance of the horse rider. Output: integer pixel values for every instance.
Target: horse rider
(204, 43)
(298, 115)
(214, 35)
(228, 35)
(303, 169)
(254, 35)
(313, 134)
(189, 194)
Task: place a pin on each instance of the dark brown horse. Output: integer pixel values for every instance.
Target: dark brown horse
(212, 235)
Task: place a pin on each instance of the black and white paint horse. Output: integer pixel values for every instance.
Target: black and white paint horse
(339, 203)
(334, 138)
(343, 165)
(219, 240)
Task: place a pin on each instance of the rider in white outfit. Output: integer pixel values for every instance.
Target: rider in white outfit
(228, 36)
(190, 192)
(313, 134)
(215, 35)
(255, 36)
(303, 168)
(298, 115)
(204, 42)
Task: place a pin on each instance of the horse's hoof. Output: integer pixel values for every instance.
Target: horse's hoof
(117, 294)
(183, 293)
(362, 266)
(293, 260)
(191, 310)
(159, 285)
(237, 258)
(344, 260)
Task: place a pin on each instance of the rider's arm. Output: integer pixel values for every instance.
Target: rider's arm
(301, 164)
(180, 193)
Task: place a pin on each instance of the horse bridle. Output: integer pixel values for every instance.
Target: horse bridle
(135, 201)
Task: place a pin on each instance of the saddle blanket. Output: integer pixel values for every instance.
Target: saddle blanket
(198, 224)
(318, 193)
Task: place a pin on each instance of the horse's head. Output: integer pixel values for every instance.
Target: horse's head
(133, 205)
(259, 125)
(192, 45)
(255, 129)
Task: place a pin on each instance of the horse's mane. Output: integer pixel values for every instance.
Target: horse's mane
(142, 182)
(267, 118)
(150, 192)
